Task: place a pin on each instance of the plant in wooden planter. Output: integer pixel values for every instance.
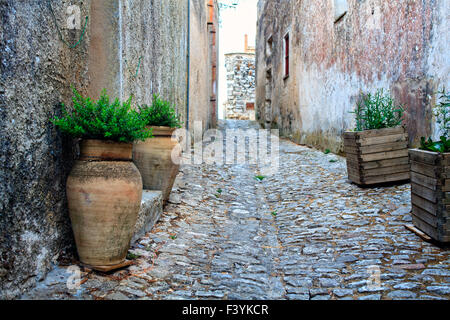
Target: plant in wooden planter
(377, 151)
(430, 179)
(153, 156)
(104, 188)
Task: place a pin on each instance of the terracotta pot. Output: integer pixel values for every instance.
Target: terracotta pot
(104, 192)
(153, 157)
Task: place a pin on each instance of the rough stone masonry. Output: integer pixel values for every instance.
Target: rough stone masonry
(240, 86)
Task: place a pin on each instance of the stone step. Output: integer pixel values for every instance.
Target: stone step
(151, 210)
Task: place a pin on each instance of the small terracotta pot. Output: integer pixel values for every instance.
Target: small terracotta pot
(104, 192)
(153, 157)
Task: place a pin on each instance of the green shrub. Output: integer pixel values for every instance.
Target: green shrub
(437, 146)
(160, 113)
(377, 111)
(102, 120)
(442, 113)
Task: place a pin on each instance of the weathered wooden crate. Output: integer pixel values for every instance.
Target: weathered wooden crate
(430, 193)
(377, 156)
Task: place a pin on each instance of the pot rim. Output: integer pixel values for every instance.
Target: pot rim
(162, 130)
(105, 150)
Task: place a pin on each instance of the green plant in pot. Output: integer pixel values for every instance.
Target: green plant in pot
(430, 178)
(377, 150)
(104, 188)
(156, 158)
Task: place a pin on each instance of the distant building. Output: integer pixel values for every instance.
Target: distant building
(240, 104)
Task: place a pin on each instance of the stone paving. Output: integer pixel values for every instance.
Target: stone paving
(304, 233)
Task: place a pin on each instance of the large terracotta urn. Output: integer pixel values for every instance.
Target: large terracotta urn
(154, 159)
(104, 192)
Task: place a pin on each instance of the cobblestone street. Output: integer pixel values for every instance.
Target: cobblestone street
(303, 233)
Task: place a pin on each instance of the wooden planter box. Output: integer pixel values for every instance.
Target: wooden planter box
(430, 193)
(377, 156)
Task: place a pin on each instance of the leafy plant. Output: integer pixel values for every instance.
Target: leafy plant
(260, 178)
(437, 146)
(274, 213)
(442, 113)
(102, 120)
(160, 113)
(327, 151)
(377, 111)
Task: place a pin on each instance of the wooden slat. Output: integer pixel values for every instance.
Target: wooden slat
(350, 135)
(384, 147)
(377, 164)
(422, 235)
(379, 132)
(423, 180)
(424, 204)
(387, 178)
(385, 163)
(353, 158)
(354, 178)
(425, 227)
(424, 156)
(386, 170)
(446, 159)
(425, 216)
(350, 143)
(384, 155)
(446, 198)
(351, 150)
(425, 169)
(446, 186)
(382, 139)
(424, 192)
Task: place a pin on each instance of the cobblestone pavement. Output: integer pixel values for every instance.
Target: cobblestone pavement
(303, 233)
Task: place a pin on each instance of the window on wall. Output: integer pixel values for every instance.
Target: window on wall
(286, 55)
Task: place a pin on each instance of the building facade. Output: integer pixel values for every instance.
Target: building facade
(315, 57)
(127, 47)
(241, 84)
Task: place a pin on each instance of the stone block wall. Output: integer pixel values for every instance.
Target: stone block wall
(240, 86)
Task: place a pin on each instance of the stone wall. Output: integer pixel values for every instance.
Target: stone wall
(240, 86)
(130, 47)
(401, 46)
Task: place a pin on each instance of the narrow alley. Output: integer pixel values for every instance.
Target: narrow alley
(303, 233)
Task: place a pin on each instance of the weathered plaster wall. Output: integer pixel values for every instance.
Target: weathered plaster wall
(213, 34)
(200, 72)
(240, 85)
(397, 45)
(37, 70)
(140, 48)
